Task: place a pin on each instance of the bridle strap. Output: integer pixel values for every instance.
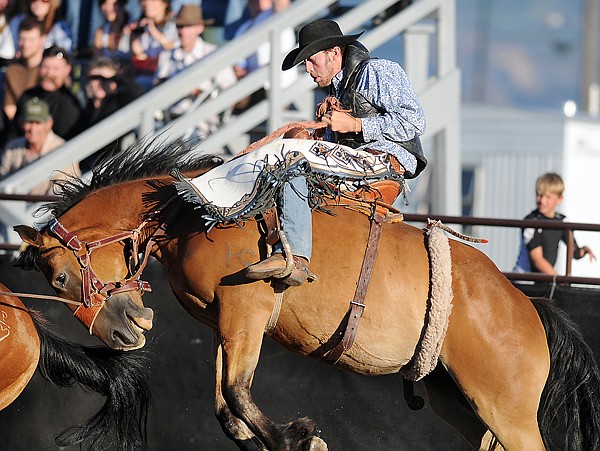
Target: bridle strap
(69, 238)
(87, 315)
(95, 292)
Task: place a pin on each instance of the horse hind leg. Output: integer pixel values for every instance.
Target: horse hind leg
(449, 403)
(513, 426)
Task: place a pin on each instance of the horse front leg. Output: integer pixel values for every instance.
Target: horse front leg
(234, 428)
(240, 349)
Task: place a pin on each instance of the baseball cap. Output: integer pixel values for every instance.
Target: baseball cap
(36, 110)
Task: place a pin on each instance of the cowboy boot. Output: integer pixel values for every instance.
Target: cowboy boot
(266, 268)
(299, 274)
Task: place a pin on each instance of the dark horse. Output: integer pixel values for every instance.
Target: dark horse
(27, 344)
(507, 367)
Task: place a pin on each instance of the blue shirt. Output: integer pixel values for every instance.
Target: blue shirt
(385, 84)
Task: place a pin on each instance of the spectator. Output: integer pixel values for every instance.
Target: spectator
(391, 11)
(107, 90)
(55, 73)
(539, 247)
(261, 10)
(190, 25)
(109, 39)
(154, 32)
(7, 42)
(37, 141)
(23, 73)
(236, 14)
(57, 30)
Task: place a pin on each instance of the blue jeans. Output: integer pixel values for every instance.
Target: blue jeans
(296, 217)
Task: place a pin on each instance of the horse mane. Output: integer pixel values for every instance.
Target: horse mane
(147, 158)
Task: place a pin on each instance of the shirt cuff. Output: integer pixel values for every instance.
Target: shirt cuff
(370, 129)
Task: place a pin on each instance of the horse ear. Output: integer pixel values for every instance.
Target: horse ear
(29, 235)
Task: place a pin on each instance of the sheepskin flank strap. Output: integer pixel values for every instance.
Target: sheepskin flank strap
(440, 299)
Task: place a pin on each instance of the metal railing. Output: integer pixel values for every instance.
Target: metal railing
(569, 228)
(429, 58)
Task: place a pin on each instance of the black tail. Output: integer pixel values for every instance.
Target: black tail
(572, 391)
(122, 377)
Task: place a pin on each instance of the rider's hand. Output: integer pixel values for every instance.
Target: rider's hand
(339, 121)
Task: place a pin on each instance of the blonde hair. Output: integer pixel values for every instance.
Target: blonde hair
(549, 182)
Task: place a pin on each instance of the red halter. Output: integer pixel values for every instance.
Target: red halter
(96, 292)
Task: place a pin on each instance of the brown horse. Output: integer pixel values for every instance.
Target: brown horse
(19, 348)
(27, 344)
(508, 365)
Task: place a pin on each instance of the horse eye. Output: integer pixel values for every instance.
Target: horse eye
(61, 279)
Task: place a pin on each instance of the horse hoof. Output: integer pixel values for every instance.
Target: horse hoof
(315, 444)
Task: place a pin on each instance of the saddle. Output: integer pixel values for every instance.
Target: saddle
(382, 193)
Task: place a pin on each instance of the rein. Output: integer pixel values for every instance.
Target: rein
(39, 296)
(328, 104)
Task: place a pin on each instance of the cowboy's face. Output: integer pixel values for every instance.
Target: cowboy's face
(323, 66)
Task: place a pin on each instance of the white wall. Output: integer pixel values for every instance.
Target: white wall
(581, 174)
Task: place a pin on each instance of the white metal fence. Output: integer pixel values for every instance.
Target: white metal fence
(429, 58)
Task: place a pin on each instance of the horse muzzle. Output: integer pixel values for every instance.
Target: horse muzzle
(122, 322)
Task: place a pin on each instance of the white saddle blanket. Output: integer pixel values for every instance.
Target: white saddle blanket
(247, 185)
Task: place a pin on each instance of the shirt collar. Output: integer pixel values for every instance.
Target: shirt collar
(337, 79)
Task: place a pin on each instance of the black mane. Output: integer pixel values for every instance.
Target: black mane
(144, 159)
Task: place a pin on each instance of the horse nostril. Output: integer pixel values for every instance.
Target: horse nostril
(141, 317)
(122, 339)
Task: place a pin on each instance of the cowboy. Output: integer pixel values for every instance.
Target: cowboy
(385, 117)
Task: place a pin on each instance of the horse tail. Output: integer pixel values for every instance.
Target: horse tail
(573, 385)
(121, 377)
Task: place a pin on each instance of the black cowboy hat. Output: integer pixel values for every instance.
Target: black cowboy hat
(319, 35)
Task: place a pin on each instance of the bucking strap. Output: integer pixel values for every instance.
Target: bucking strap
(357, 305)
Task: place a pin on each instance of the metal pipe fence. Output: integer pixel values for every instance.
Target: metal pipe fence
(569, 227)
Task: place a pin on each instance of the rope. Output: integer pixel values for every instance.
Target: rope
(328, 104)
(431, 223)
(551, 297)
(39, 296)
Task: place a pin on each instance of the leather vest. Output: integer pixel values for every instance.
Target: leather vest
(356, 57)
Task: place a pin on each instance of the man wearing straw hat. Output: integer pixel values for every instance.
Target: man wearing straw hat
(190, 25)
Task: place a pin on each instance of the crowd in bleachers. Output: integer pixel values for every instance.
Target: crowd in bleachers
(65, 66)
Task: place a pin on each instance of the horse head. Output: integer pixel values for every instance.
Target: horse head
(92, 256)
(109, 309)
